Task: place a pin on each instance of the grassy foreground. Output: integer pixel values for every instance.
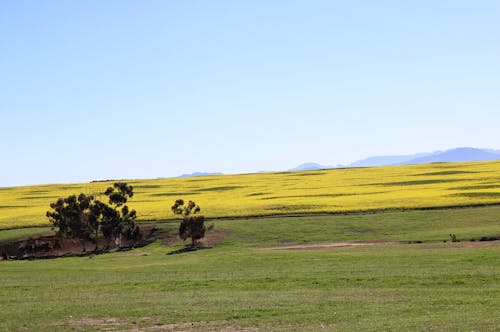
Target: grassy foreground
(336, 190)
(239, 284)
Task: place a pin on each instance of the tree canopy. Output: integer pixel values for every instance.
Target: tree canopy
(85, 217)
(192, 224)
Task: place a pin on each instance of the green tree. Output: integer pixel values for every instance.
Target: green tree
(71, 216)
(84, 217)
(117, 220)
(192, 225)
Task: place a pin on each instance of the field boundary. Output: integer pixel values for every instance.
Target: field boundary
(349, 213)
(306, 214)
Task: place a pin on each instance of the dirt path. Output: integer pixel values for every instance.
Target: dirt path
(352, 244)
(333, 245)
(146, 324)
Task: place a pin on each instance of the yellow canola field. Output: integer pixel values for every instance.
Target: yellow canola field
(284, 193)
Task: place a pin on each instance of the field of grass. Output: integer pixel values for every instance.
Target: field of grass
(239, 284)
(15, 233)
(428, 226)
(242, 284)
(326, 191)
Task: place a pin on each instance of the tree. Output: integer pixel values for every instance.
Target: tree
(94, 220)
(71, 216)
(119, 193)
(120, 222)
(192, 225)
(84, 217)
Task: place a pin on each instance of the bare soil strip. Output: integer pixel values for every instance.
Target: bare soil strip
(51, 246)
(127, 325)
(352, 244)
(333, 245)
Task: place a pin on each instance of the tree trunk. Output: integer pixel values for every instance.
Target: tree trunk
(118, 241)
(96, 239)
(193, 242)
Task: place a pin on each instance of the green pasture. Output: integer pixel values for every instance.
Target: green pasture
(238, 284)
(15, 233)
(425, 226)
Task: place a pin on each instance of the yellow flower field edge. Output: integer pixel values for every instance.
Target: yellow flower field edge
(284, 193)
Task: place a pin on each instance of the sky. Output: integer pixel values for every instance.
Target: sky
(93, 90)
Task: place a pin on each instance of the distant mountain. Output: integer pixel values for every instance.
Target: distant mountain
(453, 155)
(310, 167)
(197, 174)
(456, 155)
(387, 160)
(492, 151)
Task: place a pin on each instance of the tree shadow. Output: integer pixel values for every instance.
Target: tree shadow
(188, 249)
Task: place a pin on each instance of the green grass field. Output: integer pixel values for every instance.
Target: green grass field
(15, 233)
(239, 284)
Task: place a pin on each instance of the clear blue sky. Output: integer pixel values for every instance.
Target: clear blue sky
(143, 89)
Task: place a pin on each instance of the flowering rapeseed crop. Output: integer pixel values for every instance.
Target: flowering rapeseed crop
(325, 191)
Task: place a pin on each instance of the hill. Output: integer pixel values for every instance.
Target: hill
(304, 192)
(456, 155)
(452, 155)
(386, 160)
(310, 167)
(198, 174)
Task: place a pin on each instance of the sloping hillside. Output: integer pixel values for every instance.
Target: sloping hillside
(324, 191)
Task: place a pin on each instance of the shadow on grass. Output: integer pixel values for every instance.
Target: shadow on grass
(188, 249)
